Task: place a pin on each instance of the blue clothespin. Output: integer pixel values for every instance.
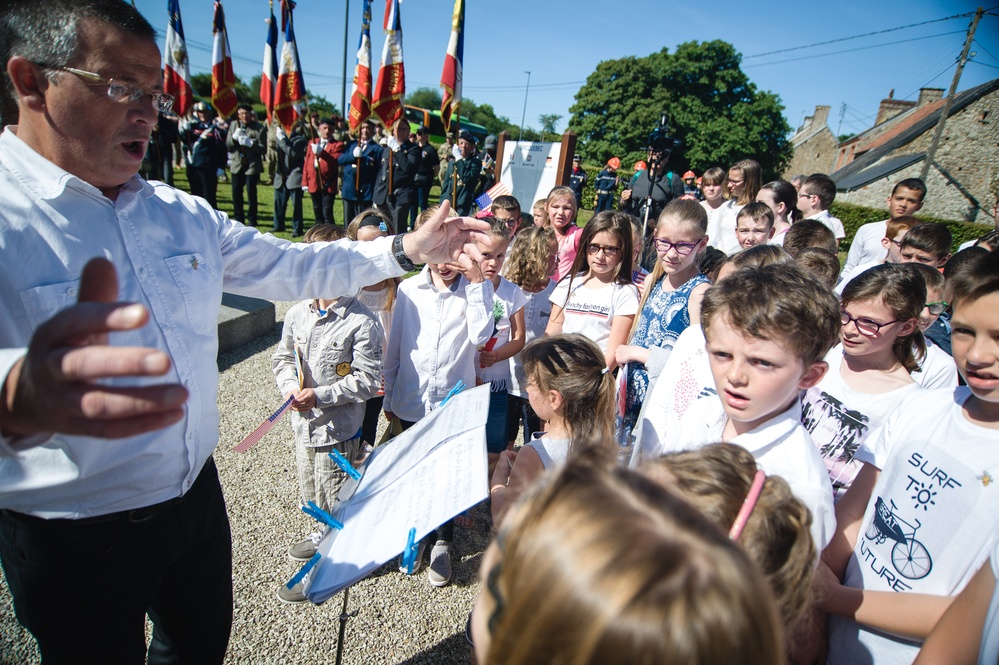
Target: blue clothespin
(409, 554)
(300, 575)
(344, 464)
(320, 515)
(458, 387)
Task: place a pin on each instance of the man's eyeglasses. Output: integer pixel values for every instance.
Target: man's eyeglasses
(610, 251)
(866, 327)
(936, 308)
(121, 91)
(681, 248)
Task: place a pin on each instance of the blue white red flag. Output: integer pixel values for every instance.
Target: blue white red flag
(223, 78)
(176, 68)
(360, 94)
(391, 86)
(451, 75)
(268, 78)
(289, 100)
(491, 194)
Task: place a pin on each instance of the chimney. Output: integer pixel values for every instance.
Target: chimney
(821, 117)
(891, 107)
(928, 96)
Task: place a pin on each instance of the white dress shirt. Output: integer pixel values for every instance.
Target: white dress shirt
(174, 254)
(432, 342)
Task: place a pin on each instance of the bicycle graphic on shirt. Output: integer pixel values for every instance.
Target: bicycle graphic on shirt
(909, 556)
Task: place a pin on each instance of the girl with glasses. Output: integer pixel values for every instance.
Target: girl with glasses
(597, 298)
(869, 370)
(671, 300)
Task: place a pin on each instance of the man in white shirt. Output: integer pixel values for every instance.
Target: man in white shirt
(867, 247)
(110, 505)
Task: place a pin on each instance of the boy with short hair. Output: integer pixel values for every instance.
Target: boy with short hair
(937, 370)
(337, 345)
(754, 225)
(809, 233)
(922, 515)
(906, 199)
(820, 263)
(767, 331)
(891, 244)
(817, 193)
(928, 243)
(440, 316)
(506, 209)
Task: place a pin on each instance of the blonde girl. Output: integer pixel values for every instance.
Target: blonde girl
(869, 371)
(530, 262)
(571, 390)
(379, 298)
(743, 184)
(605, 566)
(598, 299)
(671, 299)
(560, 211)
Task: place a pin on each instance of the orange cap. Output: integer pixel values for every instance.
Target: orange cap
(689, 174)
(640, 166)
(614, 163)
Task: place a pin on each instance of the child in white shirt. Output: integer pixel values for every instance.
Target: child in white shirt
(922, 515)
(441, 315)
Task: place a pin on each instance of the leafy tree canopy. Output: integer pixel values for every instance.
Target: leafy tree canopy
(712, 107)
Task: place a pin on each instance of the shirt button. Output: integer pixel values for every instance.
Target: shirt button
(71, 291)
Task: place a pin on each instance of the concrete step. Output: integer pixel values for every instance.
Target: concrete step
(242, 319)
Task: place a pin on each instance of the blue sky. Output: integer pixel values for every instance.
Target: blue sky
(561, 42)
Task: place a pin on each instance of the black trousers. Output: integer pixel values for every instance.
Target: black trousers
(83, 587)
(204, 182)
(281, 198)
(322, 207)
(352, 209)
(238, 182)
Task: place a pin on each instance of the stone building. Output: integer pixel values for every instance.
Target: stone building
(963, 181)
(814, 146)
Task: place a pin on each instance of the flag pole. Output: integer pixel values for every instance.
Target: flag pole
(454, 167)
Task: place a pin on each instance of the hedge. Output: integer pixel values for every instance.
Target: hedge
(854, 216)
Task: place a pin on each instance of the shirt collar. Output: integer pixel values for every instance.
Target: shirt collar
(46, 180)
(772, 431)
(338, 307)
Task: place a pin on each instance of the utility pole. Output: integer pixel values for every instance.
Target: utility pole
(524, 114)
(839, 127)
(931, 153)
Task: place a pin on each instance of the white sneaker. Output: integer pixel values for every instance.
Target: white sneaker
(306, 549)
(440, 564)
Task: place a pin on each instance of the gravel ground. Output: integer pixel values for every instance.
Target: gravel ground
(399, 619)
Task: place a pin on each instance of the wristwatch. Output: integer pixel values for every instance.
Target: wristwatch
(400, 254)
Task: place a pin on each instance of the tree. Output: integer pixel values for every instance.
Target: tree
(202, 86)
(548, 122)
(485, 114)
(424, 98)
(712, 107)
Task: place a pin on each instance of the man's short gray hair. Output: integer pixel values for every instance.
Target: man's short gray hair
(45, 31)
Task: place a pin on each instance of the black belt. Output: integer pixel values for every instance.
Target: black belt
(605, 191)
(134, 516)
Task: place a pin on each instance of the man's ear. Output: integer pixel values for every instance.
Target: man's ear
(29, 82)
(813, 374)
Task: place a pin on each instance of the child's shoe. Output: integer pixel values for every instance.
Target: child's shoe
(440, 564)
(306, 549)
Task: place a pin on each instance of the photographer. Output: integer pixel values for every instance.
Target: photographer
(654, 188)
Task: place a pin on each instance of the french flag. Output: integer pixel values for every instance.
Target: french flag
(223, 78)
(360, 94)
(451, 75)
(290, 86)
(176, 68)
(391, 86)
(268, 79)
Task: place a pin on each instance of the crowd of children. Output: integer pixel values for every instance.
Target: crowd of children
(747, 369)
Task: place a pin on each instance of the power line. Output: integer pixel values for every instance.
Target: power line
(979, 45)
(852, 50)
(844, 39)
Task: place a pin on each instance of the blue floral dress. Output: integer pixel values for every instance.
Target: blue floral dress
(660, 322)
